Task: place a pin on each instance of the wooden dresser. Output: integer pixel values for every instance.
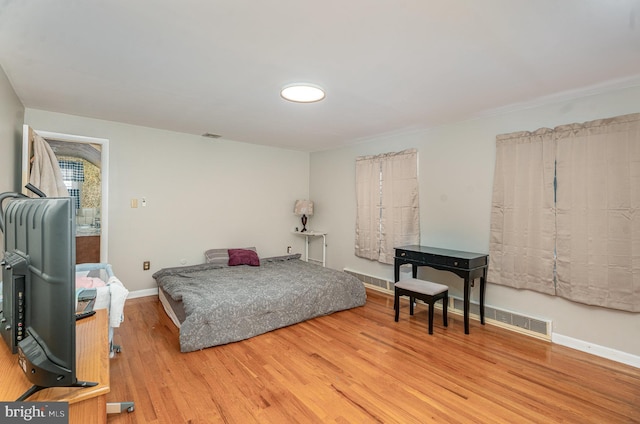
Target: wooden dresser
(86, 405)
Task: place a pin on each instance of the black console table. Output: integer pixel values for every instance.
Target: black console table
(466, 265)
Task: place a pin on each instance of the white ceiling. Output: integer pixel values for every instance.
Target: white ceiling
(388, 66)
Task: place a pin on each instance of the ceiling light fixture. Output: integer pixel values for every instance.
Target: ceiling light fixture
(302, 93)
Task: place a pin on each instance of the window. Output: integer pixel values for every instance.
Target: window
(73, 176)
(388, 213)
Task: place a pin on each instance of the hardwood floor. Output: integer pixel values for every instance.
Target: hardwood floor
(359, 366)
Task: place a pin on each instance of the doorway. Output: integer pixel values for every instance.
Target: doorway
(92, 216)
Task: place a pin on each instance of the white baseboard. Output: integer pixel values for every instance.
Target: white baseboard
(602, 351)
(142, 293)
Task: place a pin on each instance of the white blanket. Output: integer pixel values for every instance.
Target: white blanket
(118, 297)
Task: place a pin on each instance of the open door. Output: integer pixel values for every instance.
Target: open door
(27, 155)
(94, 232)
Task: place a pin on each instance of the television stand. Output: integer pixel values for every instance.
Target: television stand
(87, 405)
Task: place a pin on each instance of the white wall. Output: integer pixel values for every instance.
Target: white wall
(456, 164)
(201, 193)
(11, 118)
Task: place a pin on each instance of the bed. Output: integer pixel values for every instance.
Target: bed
(214, 303)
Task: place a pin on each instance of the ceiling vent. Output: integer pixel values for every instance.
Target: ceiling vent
(209, 135)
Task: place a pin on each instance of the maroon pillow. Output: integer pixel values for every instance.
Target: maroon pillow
(243, 257)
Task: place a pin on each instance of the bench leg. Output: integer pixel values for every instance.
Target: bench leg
(431, 308)
(445, 303)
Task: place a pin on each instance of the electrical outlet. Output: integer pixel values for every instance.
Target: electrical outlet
(146, 265)
(288, 249)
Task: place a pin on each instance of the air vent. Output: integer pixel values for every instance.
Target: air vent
(209, 135)
(508, 319)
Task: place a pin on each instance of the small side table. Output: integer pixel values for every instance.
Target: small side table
(308, 234)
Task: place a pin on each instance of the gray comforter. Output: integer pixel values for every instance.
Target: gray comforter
(228, 304)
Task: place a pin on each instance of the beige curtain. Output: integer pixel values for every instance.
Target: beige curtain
(522, 236)
(368, 207)
(598, 212)
(388, 212)
(579, 239)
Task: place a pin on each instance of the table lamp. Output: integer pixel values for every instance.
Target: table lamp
(304, 208)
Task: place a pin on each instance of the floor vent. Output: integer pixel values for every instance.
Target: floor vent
(511, 320)
(373, 282)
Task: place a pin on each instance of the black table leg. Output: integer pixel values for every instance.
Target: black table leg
(483, 281)
(396, 271)
(467, 295)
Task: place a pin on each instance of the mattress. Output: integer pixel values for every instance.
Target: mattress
(173, 308)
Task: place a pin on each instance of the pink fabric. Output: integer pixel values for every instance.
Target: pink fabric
(89, 283)
(243, 257)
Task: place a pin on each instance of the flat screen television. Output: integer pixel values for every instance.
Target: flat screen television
(39, 301)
